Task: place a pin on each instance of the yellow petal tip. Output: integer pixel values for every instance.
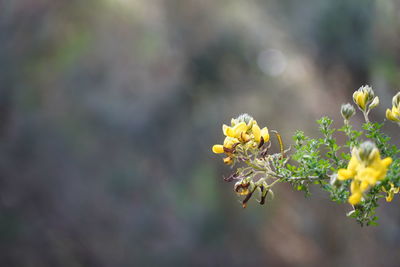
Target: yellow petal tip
(218, 149)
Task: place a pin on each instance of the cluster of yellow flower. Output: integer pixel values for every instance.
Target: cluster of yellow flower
(244, 131)
(394, 113)
(365, 98)
(244, 142)
(365, 168)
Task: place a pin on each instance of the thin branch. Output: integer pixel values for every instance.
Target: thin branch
(254, 166)
(306, 178)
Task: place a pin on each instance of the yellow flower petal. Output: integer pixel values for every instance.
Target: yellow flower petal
(355, 198)
(374, 156)
(218, 149)
(230, 132)
(389, 197)
(344, 174)
(244, 137)
(389, 115)
(386, 162)
(230, 141)
(360, 100)
(396, 112)
(353, 163)
(265, 134)
(355, 94)
(239, 128)
(256, 132)
(369, 175)
(364, 186)
(355, 187)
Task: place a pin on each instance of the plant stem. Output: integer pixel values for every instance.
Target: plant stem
(366, 116)
(254, 166)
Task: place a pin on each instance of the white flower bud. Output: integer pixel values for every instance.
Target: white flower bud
(374, 103)
(347, 111)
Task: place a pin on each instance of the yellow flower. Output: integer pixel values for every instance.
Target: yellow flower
(229, 142)
(394, 113)
(242, 130)
(390, 194)
(365, 168)
(238, 131)
(244, 133)
(365, 98)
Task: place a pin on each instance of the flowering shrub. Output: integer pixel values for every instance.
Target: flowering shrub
(360, 172)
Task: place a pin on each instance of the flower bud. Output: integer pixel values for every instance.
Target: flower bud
(374, 103)
(396, 100)
(367, 152)
(393, 114)
(246, 118)
(233, 122)
(347, 111)
(363, 97)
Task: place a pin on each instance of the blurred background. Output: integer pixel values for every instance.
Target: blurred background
(109, 109)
